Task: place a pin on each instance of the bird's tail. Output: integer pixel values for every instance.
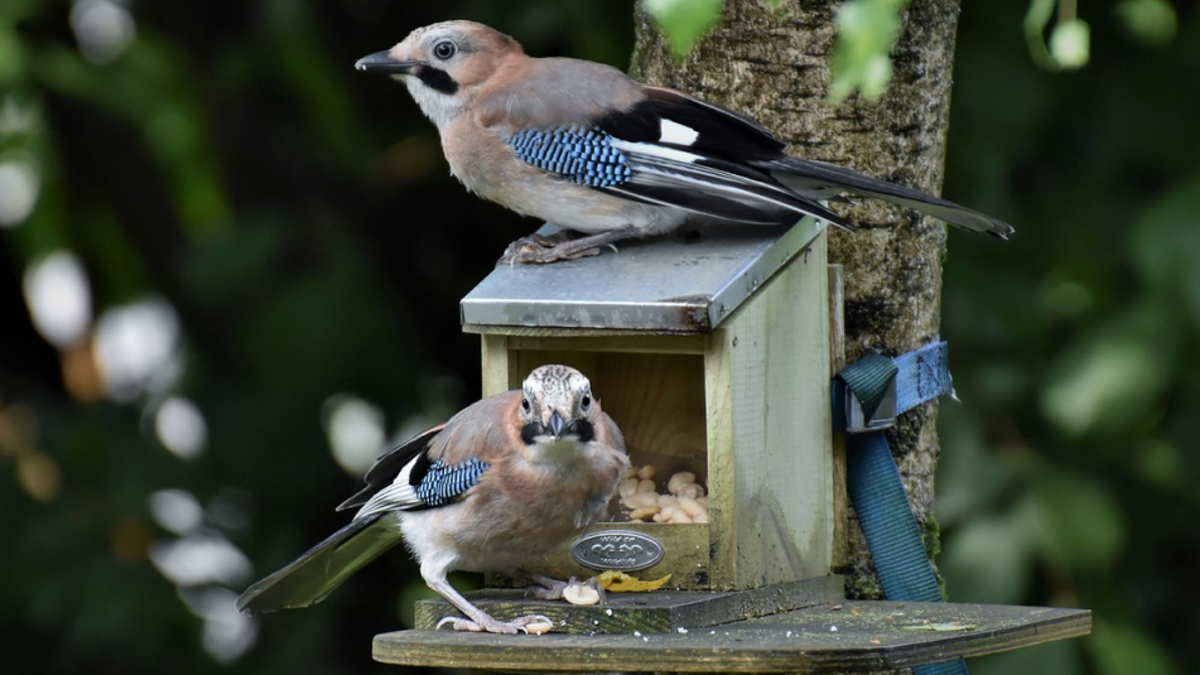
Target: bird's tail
(314, 575)
(821, 180)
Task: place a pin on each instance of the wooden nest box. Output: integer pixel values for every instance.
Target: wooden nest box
(711, 352)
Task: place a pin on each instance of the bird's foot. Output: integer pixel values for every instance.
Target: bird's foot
(588, 592)
(542, 249)
(534, 624)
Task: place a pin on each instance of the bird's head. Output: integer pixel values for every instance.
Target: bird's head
(557, 405)
(444, 63)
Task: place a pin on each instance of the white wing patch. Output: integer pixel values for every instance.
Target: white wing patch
(395, 497)
(676, 133)
(653, 150)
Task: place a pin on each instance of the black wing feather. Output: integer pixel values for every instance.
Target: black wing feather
(812, 174)
(720, 163)
(711, 175)
(732, 193)
(721, 132)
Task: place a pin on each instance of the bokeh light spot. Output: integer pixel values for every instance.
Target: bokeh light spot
(59, 298)
(176, 510)
(137, 348)
(19, 187)
(356, 434)
(180, 427)
(197, 559)
(102, 28)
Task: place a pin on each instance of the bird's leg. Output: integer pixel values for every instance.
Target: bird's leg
(537, 248)
(545, 588)
(479, 620)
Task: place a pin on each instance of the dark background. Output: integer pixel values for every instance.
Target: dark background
(227, 167)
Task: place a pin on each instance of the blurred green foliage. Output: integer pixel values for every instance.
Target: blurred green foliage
(867, 30)
(1069, 475)
(225, 161)
(684, 22)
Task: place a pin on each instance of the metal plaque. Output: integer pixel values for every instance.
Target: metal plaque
(620, 550)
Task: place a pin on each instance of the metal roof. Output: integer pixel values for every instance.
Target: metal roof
(684, 283)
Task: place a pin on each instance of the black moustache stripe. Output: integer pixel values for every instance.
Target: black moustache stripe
(583, 429)
(531, 430)
(438, 80)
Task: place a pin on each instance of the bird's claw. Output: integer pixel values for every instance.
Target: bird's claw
(589, 592)
(542, 249)
(574, 591)
(533, 624)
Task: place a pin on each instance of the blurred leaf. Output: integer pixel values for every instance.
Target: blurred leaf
(989, 559)
(1166, 242)
(1079, 523)
(1065, 298)
(1161, 464)
(684, 22)
(12, 58)
(219, 269)
(1151, 21)
(1113, 377)
(1119, 648)
(1036, 18)
(867, 31)
(1059, 658)
(969, 474)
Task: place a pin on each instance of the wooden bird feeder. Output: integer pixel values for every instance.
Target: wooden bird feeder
(711, 350)
(712, 355)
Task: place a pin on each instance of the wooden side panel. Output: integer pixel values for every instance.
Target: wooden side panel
(770, 464)
(499, 370)
(837, 361)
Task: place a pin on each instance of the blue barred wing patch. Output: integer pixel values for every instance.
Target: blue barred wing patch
(444, 482)
(580, 155)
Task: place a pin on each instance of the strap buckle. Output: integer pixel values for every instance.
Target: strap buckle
(884, 417)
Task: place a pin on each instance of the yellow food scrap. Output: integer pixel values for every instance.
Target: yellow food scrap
(620, 582)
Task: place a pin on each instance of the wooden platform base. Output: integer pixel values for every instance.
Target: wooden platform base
(657, 612)
(825, 638)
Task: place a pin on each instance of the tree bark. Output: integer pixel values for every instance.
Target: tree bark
(771, 60)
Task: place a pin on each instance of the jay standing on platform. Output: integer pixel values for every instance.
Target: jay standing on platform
(585, 147)
(500, 484)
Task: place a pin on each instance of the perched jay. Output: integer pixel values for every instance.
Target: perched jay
(583, 146)
(499, 485)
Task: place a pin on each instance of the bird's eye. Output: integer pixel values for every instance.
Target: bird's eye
(585, 402)
(444, 50)
(525, 405)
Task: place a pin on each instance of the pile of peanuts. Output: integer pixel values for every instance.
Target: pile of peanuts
(685, 501)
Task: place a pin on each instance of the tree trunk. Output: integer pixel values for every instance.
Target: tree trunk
(773, 63)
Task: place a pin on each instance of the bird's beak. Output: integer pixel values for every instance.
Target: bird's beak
(384, 64)
(557, 424)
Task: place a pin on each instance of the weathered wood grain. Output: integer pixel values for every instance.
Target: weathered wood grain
(767, 383)
(826, 638)
(654, 612)
(840, 554)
